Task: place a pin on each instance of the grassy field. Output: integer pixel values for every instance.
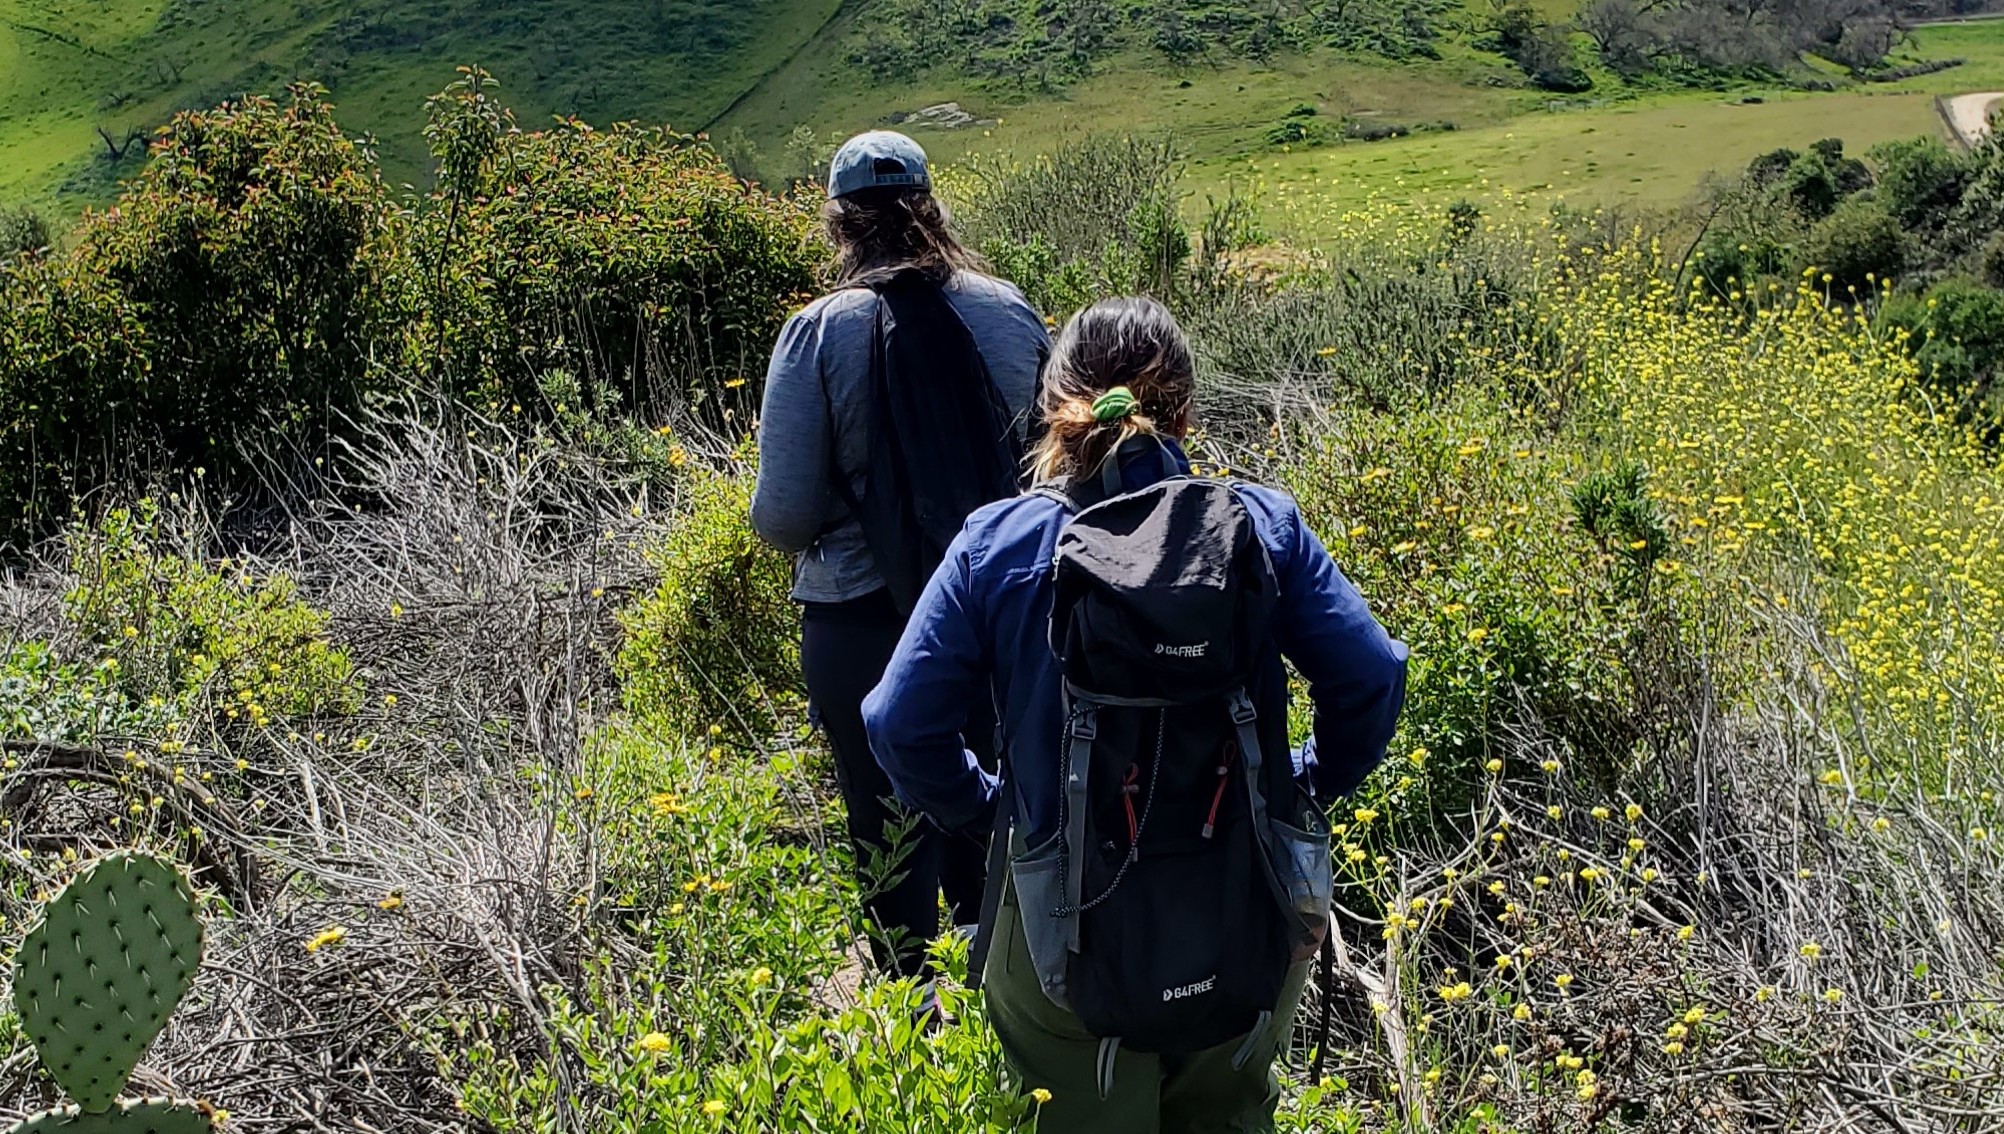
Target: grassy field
(1650, 152)
(1979, 43)
(1215, 112)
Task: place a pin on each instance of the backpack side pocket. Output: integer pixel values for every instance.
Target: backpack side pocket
(1040, 888)
(1307, 875)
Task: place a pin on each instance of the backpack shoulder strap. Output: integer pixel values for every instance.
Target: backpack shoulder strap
(1245, 720)
(1053, 490)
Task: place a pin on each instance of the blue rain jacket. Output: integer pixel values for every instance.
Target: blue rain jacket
(980, 629)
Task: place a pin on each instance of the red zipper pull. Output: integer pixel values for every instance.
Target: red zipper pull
(1218, 797)
(1130, 786)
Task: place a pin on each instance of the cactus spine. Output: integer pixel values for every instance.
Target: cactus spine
(95, 981)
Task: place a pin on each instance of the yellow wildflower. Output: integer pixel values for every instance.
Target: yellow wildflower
(332, 935)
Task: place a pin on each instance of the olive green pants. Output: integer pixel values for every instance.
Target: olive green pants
(1047, 1047)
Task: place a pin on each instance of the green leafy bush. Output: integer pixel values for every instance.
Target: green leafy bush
(1919, 179)
(22, 231)
(1814, 182)
(630, 258)
(74, 390)
(43, 697)
(1294, 130)
(1858, 244)
(222, 310)
(1731, 259)
(257, 280)
(715, 649)
(1956, 330)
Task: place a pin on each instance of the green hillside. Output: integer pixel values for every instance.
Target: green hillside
(80, 79)
(69, 68)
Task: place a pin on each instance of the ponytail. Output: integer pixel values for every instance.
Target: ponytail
(1120, 369)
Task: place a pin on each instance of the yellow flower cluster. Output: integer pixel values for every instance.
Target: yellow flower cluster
(1794, 442)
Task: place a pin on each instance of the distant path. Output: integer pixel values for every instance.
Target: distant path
(1968, 115)
(1965, 18)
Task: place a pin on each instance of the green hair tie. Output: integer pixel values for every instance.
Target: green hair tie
(1114, 405)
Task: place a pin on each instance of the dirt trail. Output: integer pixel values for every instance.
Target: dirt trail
(1969, 115)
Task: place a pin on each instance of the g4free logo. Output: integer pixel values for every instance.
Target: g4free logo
(1196, 651)
(1198, 988)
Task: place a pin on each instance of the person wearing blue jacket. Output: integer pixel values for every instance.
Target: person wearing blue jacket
(979, 630)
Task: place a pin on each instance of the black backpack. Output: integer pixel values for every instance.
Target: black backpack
(1189, 870)
(942, 441)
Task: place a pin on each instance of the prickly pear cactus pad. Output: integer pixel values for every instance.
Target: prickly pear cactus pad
(95, 981)
(152, 1116)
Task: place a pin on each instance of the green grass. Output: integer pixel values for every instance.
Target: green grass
(1980, 44)
(1652, 152)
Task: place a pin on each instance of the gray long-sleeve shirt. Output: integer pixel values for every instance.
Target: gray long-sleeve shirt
(827, 347)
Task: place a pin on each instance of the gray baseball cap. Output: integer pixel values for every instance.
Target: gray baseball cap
(875, 160)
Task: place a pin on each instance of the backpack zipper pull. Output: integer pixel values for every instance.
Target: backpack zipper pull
(1218, 797)
(1130, 786)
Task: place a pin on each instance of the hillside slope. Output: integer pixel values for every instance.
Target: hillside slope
(80, 80)
(72, 68)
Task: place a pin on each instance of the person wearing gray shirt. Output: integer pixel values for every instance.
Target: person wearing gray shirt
(815, 426)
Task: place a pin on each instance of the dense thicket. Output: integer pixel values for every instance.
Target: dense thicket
(1634, 37)
(257, 281)
(1917, 213)
(1047, 45)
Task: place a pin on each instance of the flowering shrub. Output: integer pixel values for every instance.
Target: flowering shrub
(257, 279)
(715, 649)
(722, 1006)
(216, 637)
(1800, 437)
(154, 646)
(1738, 546)
(227, 301)
(1459, 526)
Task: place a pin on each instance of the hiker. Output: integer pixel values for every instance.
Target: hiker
(1168, 873)
(894, 406)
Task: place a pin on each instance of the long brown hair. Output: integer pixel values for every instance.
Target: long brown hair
(885, 229)
(1116, 342)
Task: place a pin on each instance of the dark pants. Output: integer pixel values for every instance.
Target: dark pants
(1046, 1046)
(844, 648)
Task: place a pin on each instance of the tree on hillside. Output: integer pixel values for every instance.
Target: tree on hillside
(1541, 49)
(1635, 36)
(1617, 30)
